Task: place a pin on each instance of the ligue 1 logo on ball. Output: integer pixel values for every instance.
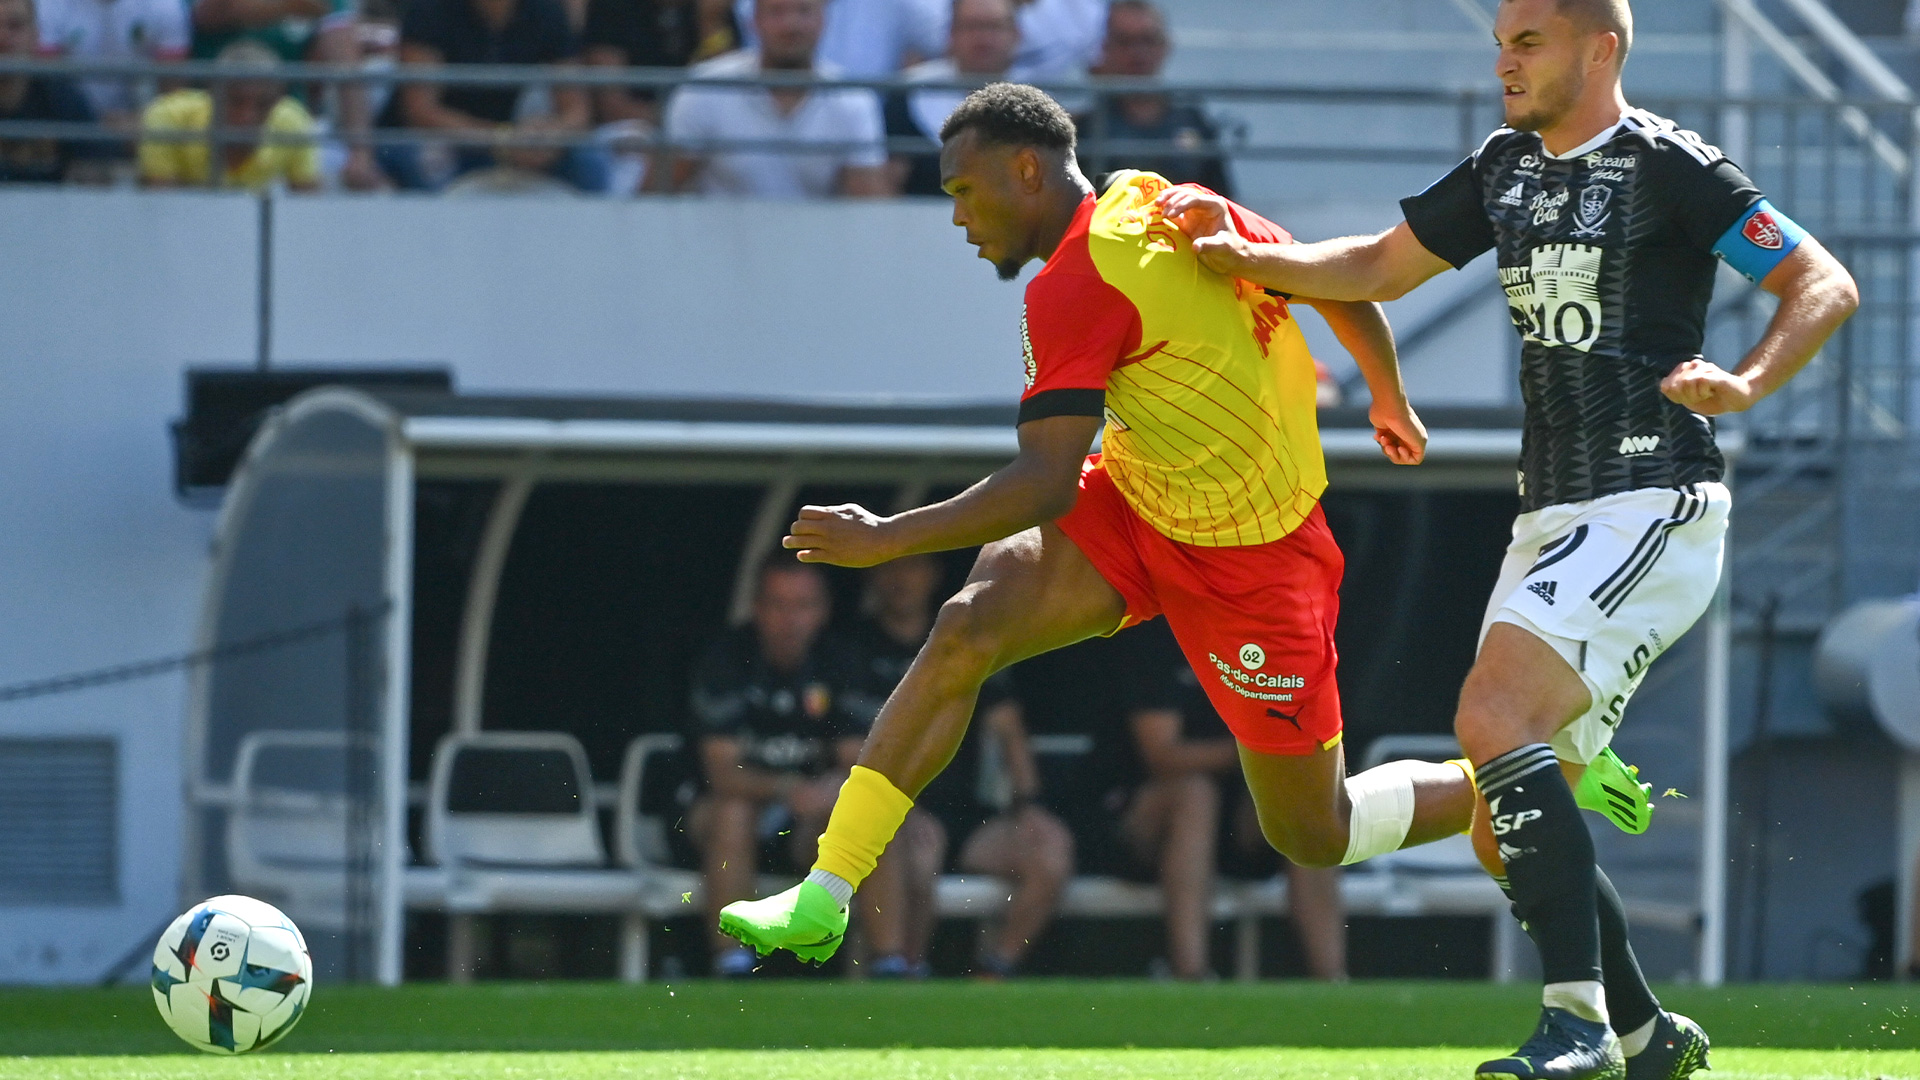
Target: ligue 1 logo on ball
(1252, 657)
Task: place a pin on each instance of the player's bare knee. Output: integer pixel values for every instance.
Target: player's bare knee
(1309, 844)
(966, 640)
(1317, 852)
(1491, 720)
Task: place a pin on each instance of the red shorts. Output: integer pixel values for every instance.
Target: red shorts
(1255, 622)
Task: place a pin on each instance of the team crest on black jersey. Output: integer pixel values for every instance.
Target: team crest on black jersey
(1591, 213)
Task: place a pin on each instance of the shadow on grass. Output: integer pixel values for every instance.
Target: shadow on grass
(1039, 1013)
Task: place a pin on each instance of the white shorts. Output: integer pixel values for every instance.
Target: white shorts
(1611, 584)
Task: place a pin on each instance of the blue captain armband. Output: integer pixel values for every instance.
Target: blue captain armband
(1761, 240)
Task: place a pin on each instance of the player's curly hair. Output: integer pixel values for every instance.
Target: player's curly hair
(1012, 114)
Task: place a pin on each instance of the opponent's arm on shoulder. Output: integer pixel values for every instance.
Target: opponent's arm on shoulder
(1386, 266)
(1355, 268)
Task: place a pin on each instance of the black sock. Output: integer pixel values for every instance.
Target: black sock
(1630, 1001)
(1549, 859)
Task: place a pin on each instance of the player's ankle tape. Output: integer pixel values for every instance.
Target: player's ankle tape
(865, 817)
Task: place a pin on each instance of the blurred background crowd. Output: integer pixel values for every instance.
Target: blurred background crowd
(611, 139)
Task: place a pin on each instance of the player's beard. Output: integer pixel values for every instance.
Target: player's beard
(1552, 101)
(1009, 268)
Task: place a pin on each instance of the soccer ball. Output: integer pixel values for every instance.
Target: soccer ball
(232, 975)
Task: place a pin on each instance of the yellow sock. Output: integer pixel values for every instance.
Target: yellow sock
(1466, 766)
(864, 819)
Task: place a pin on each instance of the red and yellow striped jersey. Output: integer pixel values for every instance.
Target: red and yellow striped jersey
(1205, 381)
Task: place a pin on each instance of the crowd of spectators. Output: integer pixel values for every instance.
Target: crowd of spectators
(780, 705)
(259, 128)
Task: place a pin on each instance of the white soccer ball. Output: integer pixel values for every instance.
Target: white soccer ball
(232, 975)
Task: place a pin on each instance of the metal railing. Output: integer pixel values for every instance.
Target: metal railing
(1840, 167)
(1467, 110)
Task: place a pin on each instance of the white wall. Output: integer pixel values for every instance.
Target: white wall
(682, 297)
(106, 296)
(102, 301)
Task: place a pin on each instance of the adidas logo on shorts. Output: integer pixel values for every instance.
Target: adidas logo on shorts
(1544, 590)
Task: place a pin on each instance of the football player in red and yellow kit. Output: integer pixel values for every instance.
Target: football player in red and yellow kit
(1202, 505)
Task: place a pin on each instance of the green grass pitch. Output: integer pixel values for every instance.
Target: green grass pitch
(1039, 1030)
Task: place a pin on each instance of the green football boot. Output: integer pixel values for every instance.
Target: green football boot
(1613, 788)
(1677, 1050)
(804, 920)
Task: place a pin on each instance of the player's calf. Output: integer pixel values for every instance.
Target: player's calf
(1317, 817)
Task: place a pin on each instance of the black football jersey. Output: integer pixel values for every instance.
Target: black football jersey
(1607, 256)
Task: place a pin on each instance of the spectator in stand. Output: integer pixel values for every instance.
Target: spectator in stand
(985, 35)
(870, 39)
(779, 710)
(651, 33)
(153, 30)
(1136, 47)
(42, 98)
(323, 31)
(1059, 39)
(646, 33)
(284, 148)
(849, 120)
(510, 32)
(983, 804)
(1178, 773)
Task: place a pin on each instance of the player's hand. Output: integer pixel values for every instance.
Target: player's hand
(1198, 213)
(1398, 430)
(1229, 254)
(1708, 389)
(845, 535)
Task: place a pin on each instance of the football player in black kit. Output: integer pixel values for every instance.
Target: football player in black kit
(1607, 221)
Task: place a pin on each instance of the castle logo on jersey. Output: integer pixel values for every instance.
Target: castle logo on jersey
(1591, 215)
(1764, 232)
(1555, 297)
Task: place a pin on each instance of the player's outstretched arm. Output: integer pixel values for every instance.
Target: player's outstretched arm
(1383, 267)
(1039, 485)
(1362, 328)
(1816, 293)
